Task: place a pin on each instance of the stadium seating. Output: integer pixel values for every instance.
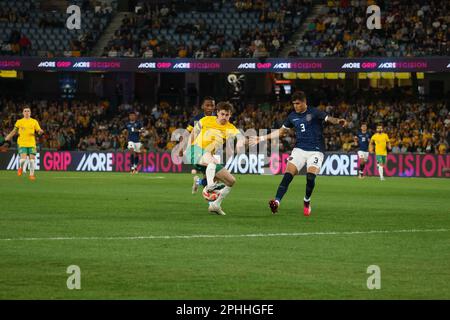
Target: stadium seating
(193, 31)
(46, 30)
(408, 29)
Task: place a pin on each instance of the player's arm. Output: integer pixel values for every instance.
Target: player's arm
(371, 145)
(182, 142)
(196, 131)
(334, 120)
(355, 141)
(38, 128)
(11, 134)
(273, 135)
(388, 144)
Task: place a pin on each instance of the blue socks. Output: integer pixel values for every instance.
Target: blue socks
(310, 183)
(284, 185)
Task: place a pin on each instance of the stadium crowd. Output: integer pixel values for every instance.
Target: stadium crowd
(155, 30)
(412, 125)
(418, 28)
(238, 28)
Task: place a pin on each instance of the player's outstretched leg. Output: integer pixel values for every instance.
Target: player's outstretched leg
(136, 162)
(22, 162)
(195, 184)
(282, 189)
(132, 162)
(381, 171)
(212, 168)
(362, 165)
(229, 180)
(291, 171)
(32, 167)
(310, 183)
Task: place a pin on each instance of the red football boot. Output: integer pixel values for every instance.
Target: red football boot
(307, 208)
(273, 204)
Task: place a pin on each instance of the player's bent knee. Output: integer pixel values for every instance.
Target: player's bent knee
(231, 181)
(292, 169)
(313, 170)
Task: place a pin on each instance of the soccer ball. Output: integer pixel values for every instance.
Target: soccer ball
(211, 195)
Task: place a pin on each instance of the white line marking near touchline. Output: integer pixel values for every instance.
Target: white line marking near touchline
(251, 235)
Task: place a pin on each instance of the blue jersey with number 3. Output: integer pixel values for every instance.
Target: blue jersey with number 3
(308, 128)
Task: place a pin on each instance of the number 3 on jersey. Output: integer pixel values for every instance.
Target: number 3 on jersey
(302, 125)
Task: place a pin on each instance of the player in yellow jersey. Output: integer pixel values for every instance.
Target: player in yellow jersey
(208, 107)
(26, 143)
(210, 134)
(381, 142)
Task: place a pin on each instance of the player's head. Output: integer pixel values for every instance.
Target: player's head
(299, 101)
(208, 105)
(26, 112)
(379, 128)
(224, 110)
(132, 116)
(363, 126)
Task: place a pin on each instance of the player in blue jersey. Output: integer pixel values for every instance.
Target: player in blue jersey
(208, 107)
(308, 125)
(134, 129)
(362, 140)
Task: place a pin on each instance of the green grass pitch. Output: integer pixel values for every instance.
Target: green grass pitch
(99, 217)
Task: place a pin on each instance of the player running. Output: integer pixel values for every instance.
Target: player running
(362, 140)
(208, 106)
(134, 129)
(26, 143)
(382, 144)
(308, 125)
(210, 133)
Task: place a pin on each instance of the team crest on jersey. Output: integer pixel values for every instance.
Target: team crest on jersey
(308, 117)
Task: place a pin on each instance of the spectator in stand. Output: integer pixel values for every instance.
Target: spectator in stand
(25, 45)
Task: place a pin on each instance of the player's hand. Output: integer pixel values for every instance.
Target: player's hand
(180, 153)
(342, 122)
(253, 141)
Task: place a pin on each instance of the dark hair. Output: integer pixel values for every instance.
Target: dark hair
(363, 123)
(208, 98)
(132, 112)
(224, 105)
(298, 95)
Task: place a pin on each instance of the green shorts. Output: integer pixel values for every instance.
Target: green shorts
(195, 154)
(381, 159)
(27, 150)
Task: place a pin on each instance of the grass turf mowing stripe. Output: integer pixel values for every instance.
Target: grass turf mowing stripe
(255, 235)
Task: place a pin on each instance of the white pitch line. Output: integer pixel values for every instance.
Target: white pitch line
(251, 235)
